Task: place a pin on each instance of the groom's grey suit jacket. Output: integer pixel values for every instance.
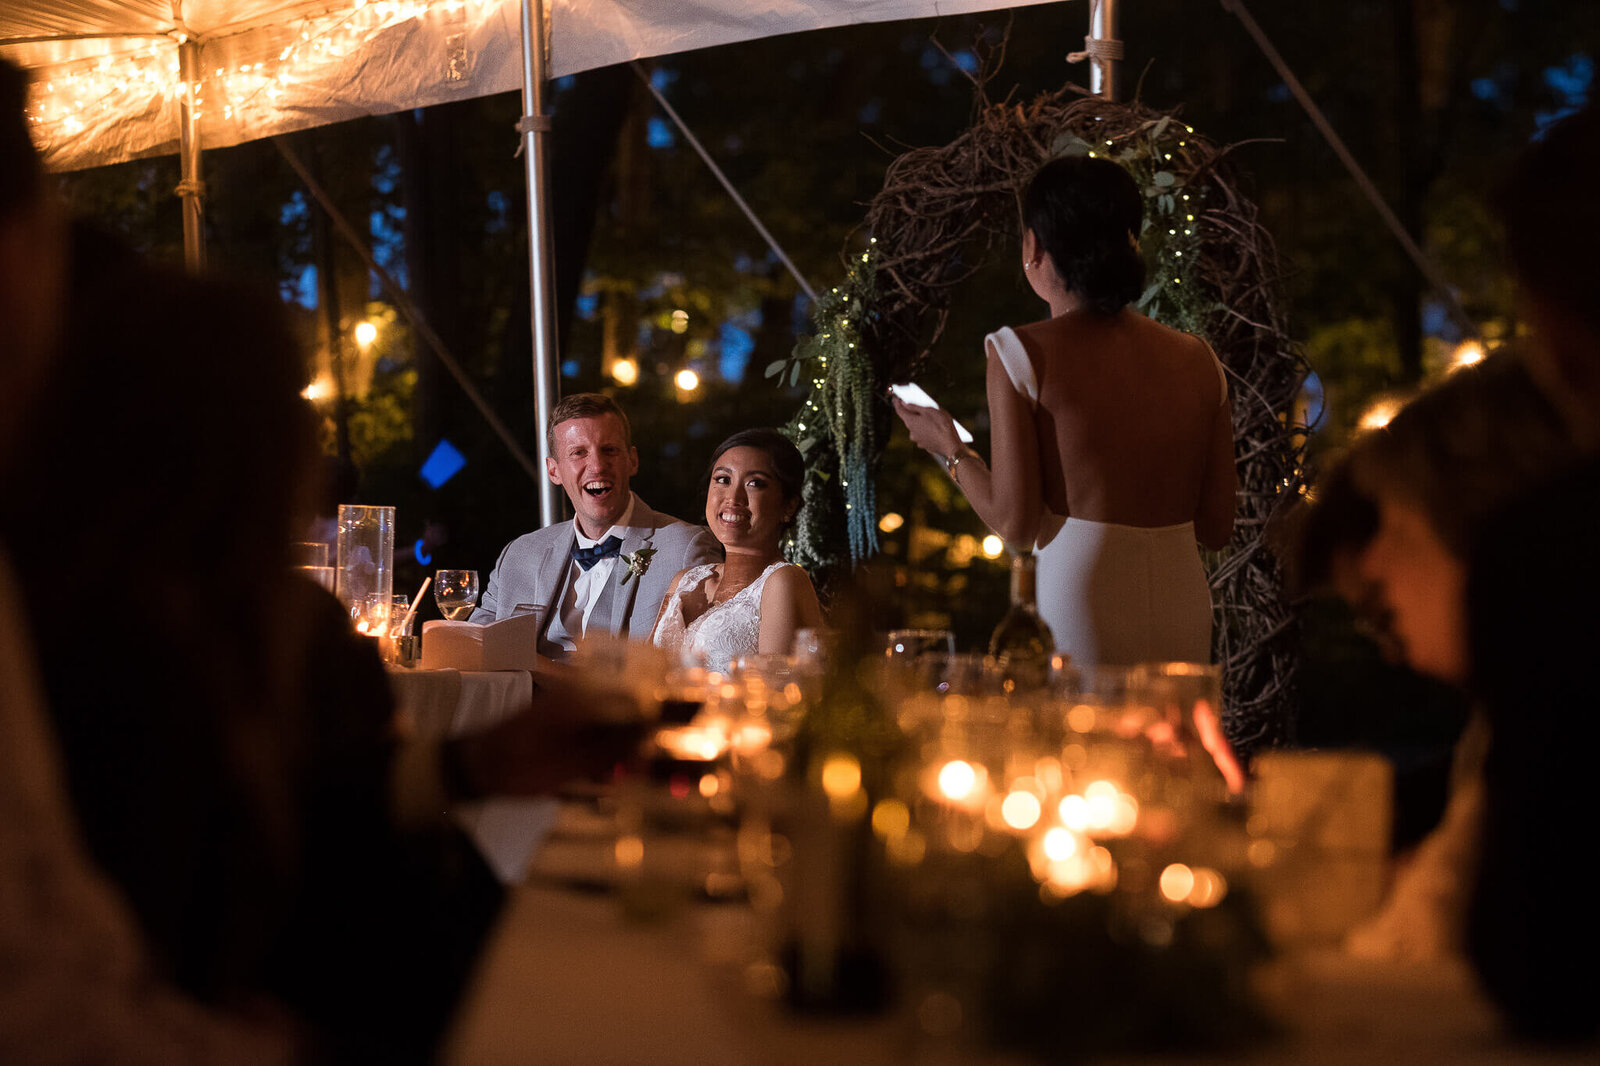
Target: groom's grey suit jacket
(536, 568)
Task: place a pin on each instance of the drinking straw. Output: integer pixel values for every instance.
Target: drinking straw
(411, 615)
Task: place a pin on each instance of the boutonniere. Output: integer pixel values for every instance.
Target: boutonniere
(638, 562)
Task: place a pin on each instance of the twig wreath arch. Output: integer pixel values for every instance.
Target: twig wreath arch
(1212, 270)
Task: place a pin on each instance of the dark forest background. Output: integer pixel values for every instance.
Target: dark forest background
(655, 264)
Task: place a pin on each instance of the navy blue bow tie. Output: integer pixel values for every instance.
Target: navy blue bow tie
(587, 557)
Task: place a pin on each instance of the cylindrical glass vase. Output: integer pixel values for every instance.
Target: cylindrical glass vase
(366, 565)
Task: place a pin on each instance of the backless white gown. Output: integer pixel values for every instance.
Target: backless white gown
(1114, 595)
(721, 635)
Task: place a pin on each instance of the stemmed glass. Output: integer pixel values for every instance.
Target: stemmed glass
(911, 644)
(456, 593)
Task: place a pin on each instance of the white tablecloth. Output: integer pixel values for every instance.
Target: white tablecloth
(567, 981)
(444, 703)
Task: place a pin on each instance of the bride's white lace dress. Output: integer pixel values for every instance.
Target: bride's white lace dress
(724, 633)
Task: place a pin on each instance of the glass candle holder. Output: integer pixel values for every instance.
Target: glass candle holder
(365, 569)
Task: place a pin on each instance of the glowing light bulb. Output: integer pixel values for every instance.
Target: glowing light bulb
(625, 371)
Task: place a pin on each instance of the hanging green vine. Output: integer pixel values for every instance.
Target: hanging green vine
(1212, 271)
(836, 429)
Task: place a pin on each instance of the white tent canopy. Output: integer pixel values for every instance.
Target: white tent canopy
(109, 88)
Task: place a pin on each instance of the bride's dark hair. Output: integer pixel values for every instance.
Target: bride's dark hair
(1087, 214)
(787, 465)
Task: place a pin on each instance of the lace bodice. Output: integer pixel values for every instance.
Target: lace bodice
(722, 634)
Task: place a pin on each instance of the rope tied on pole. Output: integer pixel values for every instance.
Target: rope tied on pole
(530, 124)
(1097, 48)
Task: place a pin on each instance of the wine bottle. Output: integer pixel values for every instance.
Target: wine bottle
(1022, 644)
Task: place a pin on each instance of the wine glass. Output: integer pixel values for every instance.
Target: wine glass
(920, 655)
(456, 593)
(911, 644)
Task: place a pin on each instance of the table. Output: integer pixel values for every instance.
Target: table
(567, 981)
(445, 703)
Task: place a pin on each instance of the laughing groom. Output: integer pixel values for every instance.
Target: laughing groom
(607, 569)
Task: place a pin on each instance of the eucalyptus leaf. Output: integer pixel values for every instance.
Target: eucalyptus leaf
(775, 367)
(794, 375)
(1149, 294)
(1164, 179)
(1068, 145)
(1160, 127)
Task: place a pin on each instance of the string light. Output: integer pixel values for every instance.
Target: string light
(147, 78)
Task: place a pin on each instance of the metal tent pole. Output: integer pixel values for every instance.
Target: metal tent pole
(534, 128)
(1105, 48)
(191, 189)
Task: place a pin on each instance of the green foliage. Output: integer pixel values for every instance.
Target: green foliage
(1155, 155)
(835, 427)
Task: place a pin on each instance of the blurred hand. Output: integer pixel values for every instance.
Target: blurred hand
(578, 729)
(932, 429)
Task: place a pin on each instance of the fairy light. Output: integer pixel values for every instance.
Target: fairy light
(98, 89)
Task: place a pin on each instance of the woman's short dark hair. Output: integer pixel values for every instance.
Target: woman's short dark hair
(788, 467)
(1087, 214)
(1547, 205)
(1462, 448)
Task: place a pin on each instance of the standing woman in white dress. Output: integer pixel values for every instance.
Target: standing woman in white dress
(753, 602)
(1111, 436)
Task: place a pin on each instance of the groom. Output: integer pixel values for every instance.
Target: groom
(607, 570)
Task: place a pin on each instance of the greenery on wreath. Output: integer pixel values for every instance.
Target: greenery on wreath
(836, 428)
(1212, 271)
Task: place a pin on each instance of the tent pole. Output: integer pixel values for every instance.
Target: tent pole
(190, 189)
(1105, 49)
(534, 128)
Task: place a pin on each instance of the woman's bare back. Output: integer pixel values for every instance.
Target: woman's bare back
(1132, 422)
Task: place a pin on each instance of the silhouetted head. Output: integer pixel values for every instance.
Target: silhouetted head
(1086, 213)
(1552, 225)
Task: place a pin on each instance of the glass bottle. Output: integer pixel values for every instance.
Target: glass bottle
(1022, 645)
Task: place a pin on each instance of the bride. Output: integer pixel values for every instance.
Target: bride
(1112, 439)
(754, 602)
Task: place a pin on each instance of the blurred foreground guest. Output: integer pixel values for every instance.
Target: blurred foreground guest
(1532, 591)
(1445, 462)
(224, 737)
(76, 982)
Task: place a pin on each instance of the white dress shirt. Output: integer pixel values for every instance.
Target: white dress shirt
(583, 586)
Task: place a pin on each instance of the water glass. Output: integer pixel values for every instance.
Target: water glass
(365, 578)
(456, 593)
(910, 644)
(1184, 705)
(400, 646)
